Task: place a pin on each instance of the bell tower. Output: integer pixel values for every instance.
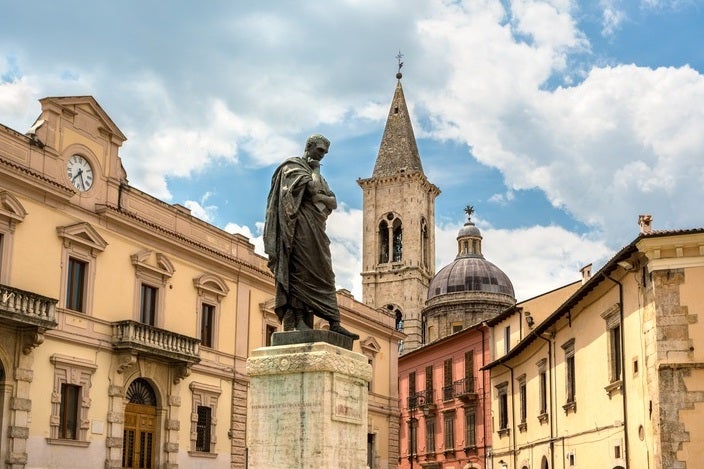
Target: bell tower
(398, 242)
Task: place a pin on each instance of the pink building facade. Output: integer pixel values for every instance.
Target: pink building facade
(445, 403)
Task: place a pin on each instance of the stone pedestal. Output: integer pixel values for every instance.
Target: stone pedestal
(307, 407)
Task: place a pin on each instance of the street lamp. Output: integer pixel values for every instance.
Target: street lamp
(503, 464)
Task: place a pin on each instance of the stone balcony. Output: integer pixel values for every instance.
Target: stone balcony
(135, 338)
(29, 312)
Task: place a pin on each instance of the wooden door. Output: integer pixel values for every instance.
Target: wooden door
(139, 437)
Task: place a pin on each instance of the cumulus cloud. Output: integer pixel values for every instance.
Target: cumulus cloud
(622, 141)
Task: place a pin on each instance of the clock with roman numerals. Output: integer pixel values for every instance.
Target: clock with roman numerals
(80, 173)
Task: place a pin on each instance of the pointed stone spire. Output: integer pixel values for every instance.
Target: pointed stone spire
(398, 151)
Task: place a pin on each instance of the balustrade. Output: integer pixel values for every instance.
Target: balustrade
(132, 335)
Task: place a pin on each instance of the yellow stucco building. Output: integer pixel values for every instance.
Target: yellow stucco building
(613, 376)
(125, 322)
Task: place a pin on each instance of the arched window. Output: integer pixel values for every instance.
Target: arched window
(398, 241)
(383, 242)
(544, 463)
(141, 392)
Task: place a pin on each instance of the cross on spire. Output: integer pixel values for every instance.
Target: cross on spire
(400, 64)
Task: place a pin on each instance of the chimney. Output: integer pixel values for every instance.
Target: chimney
(586, 273)
(645, 223)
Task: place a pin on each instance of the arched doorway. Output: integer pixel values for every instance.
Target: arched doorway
(139, 435)
(544, 463)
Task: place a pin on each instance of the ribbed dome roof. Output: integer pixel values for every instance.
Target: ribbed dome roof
(470, 274)
(470, 271)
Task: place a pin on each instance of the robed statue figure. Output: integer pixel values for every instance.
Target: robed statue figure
(298, 206)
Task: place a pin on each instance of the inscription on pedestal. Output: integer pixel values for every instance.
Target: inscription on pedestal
(347, 399)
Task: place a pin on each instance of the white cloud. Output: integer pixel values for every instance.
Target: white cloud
(612, 16)
(344, 228)
(623, 141)
(200, 210)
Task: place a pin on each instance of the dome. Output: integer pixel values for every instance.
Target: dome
(470, 273)
(469, 230)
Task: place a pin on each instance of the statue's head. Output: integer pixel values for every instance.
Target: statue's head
(315, 140)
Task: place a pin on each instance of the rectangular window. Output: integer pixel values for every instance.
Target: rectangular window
(569, 362)
(206, 324)
(543, 383)
(570, 376)
(503, 406)
(430, 435)
(68, 416)
(524, 400)
(449, 420)
(615, 352)
(412, 398)
(429, 383)
(203, 427)
(413, 436)
(76, 284)
(447, 388)
(148, 303)
(469, 371)
(470, 428)
(507, 339)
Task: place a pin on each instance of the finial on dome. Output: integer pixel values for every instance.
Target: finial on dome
(469, 210)
(399, 75)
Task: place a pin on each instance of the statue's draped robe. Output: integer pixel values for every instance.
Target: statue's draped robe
(296, 243)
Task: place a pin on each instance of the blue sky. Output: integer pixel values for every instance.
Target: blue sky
(560, 121)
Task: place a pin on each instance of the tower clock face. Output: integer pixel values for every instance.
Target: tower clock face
(80, 173)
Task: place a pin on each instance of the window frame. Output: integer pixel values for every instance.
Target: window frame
(211, 290)
(570, 377)
(447, 383)
(615, 349)
(203, 395)
(502, 404)
(78, 373)
(542, 390)
(470, 428)
(430, 433)
(82, 243)
(448, 423)
(153, 270)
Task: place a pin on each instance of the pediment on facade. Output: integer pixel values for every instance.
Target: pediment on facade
(156, 263)
(87, 105)
(210, 283)
(84, 235)
(11, 208)
(370, 345)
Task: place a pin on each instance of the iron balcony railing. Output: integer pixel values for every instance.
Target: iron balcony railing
(462, 388)
(420, 399)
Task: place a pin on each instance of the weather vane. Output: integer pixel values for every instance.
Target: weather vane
(469, 210)
(400, 64)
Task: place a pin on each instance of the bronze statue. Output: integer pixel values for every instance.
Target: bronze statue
(298, 206)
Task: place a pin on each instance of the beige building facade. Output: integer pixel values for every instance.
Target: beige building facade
(125, 322)
(611, 377)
